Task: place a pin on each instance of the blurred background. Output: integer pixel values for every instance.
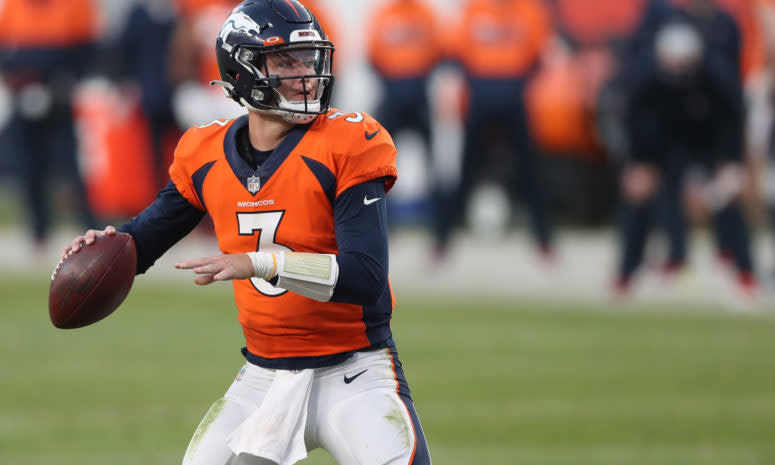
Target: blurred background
(585, 206)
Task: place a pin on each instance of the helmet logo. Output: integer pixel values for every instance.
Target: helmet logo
(254, 184)
(274, 40)
(241, 23)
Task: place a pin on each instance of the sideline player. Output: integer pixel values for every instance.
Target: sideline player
(296, 192)
(498, 45)
(404, 46)
(45, 47)
(685, 112)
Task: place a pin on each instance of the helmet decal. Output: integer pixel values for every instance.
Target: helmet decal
(241, 23)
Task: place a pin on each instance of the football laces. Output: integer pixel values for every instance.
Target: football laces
(59, 265)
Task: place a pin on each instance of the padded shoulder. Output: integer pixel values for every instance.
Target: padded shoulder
(197, 136)
(361, 147)
(198, 146)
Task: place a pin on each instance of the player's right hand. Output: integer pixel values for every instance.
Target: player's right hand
(87, 239)
(218, 268)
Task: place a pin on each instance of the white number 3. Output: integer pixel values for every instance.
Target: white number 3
(265, 224)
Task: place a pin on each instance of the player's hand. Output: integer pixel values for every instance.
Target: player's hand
(639, 182)
(218, 268)
(87, 239)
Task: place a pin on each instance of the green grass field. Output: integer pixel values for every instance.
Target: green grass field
(494, 382)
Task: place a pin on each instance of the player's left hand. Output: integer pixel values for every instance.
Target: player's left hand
(218, 268)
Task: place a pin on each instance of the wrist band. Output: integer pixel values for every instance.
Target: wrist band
(262, 267)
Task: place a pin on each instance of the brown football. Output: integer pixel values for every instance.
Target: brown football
(90, 284)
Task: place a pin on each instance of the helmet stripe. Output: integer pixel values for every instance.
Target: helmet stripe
(294, 7)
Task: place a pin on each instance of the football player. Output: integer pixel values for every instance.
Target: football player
(498, 44)
(404, 47)
(296, 191)
(44, 49)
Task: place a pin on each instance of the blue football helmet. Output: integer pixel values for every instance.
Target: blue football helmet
(274, 58)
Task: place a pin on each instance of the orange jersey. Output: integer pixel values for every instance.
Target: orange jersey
(597, 21)
(502, 39)
(205, 18)
(404, 42)
(286, 205)
(47, 24)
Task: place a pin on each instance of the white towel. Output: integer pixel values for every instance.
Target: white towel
(275, 431)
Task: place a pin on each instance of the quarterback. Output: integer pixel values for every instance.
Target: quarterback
(296, 192)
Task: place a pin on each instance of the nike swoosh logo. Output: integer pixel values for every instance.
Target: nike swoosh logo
(370, 136)
(368, 201)
(352, 378)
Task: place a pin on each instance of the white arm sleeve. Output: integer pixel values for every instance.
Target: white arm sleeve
(312, 275)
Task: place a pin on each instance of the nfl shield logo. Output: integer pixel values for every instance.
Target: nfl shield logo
(254, 184)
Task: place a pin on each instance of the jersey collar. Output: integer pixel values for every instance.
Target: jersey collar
(242, 170)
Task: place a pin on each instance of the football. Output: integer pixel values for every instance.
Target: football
(90, 284)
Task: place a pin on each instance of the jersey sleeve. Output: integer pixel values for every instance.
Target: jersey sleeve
(362, 243)
(371, 155)
(161, 225)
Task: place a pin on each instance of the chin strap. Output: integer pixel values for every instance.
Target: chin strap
(287, 115)
(291, 115)
(298, 118)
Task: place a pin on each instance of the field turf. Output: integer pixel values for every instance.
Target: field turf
(509, 382)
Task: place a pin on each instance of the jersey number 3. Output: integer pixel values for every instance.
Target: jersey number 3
(264, 224)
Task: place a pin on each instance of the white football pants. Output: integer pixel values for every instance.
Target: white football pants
(361, 422)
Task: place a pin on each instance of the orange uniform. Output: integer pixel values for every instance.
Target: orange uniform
(499, 44)
(563, 97)
(403, 41)
(291, 209)
(318, 339)
(596, 21)
(48, 24)
(202, 20)
(502, 39)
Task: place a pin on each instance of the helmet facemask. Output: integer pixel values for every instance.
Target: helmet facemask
(293, 81)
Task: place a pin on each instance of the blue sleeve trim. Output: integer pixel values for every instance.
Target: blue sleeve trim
(324, 176)
(161, 225)
(199, 179)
